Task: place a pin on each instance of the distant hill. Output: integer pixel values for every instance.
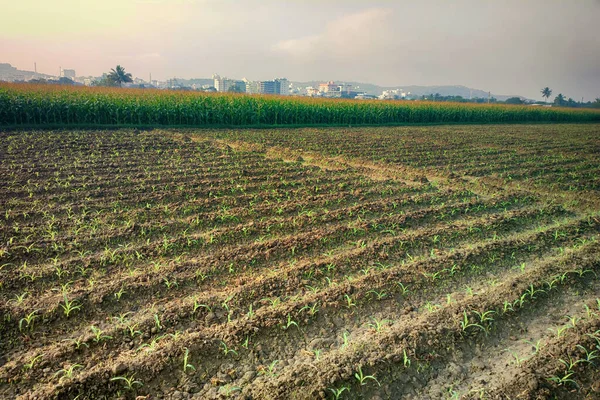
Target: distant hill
(10, 73)
(446, 90)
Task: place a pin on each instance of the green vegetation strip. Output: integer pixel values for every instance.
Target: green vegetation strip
(41, 105)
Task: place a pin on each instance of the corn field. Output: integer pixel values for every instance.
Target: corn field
(35, 105)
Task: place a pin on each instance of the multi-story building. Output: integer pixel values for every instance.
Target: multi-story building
(252, 87)
(393, 94)
(284, 86)
(227, 85)
(67, 73)
(327, 87)
(332, 89)
(280, 86)
(269, 87)
(311, 91)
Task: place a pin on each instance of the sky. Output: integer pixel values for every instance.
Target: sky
(503, 46)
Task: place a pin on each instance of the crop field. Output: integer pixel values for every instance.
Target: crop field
(27, 105)
(438, 262)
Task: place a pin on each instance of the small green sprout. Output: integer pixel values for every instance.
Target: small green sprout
(362, 378)
(128, 382)
(186, 363)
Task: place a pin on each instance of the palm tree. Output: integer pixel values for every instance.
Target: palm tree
(119, 76)
(546, 92)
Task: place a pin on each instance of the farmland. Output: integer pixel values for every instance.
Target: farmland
(374, 262)
(25, 105)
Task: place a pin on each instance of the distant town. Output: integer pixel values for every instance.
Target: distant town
(284, 87)
(278, 86)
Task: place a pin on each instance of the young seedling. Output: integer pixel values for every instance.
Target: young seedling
(28, 321)
(290, 323)
(485, 317)
(403, 288)
(246, 342)
(131, 330)
(521, 300)
(311, 309)
(571, 363)
(227, 350)
(532, 292)
(98, 334)
(469, 291)
(337, 392)
(520, 267)
(29, 365)
(362, 378)
(595, 336)
(169, 284)
(152, 345)
(250, 314)
(274, 301)
(380, 295)
(197, 305)
(68, 372)
(349, 301)
(69, 305)
(120, 293)
(560, 330)
(536, 346)
(121, 318)
(590, 311)
(573, 321)
(431, 307)
(270, 369)
(560, 381)
(77, 343)
(378, 324)
(465, 324)
(128, 382)
(345, 336)
(406, 360)
(157, 322)
(19, 298)
(517, 360)
(186, 364)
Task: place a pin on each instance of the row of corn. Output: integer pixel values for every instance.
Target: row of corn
(25, 104)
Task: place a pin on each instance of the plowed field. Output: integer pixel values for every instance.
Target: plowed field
(403, 263)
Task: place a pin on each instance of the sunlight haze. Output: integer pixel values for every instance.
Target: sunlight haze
(506, 47)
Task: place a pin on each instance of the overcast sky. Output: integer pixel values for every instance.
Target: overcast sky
(504, 46)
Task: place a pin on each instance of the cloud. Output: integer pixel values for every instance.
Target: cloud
(348, 36)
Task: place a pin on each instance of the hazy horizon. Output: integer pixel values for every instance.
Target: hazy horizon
(508, 47)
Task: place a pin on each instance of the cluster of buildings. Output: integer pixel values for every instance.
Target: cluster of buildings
(394, 94)
(280, 86)
(67, 73)
(331, 89)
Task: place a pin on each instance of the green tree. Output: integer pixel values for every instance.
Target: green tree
(514, 100)
(104, 81)
(118, 76)
(65, 81)
(235, 89)
(559, 100)
(546, 92)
